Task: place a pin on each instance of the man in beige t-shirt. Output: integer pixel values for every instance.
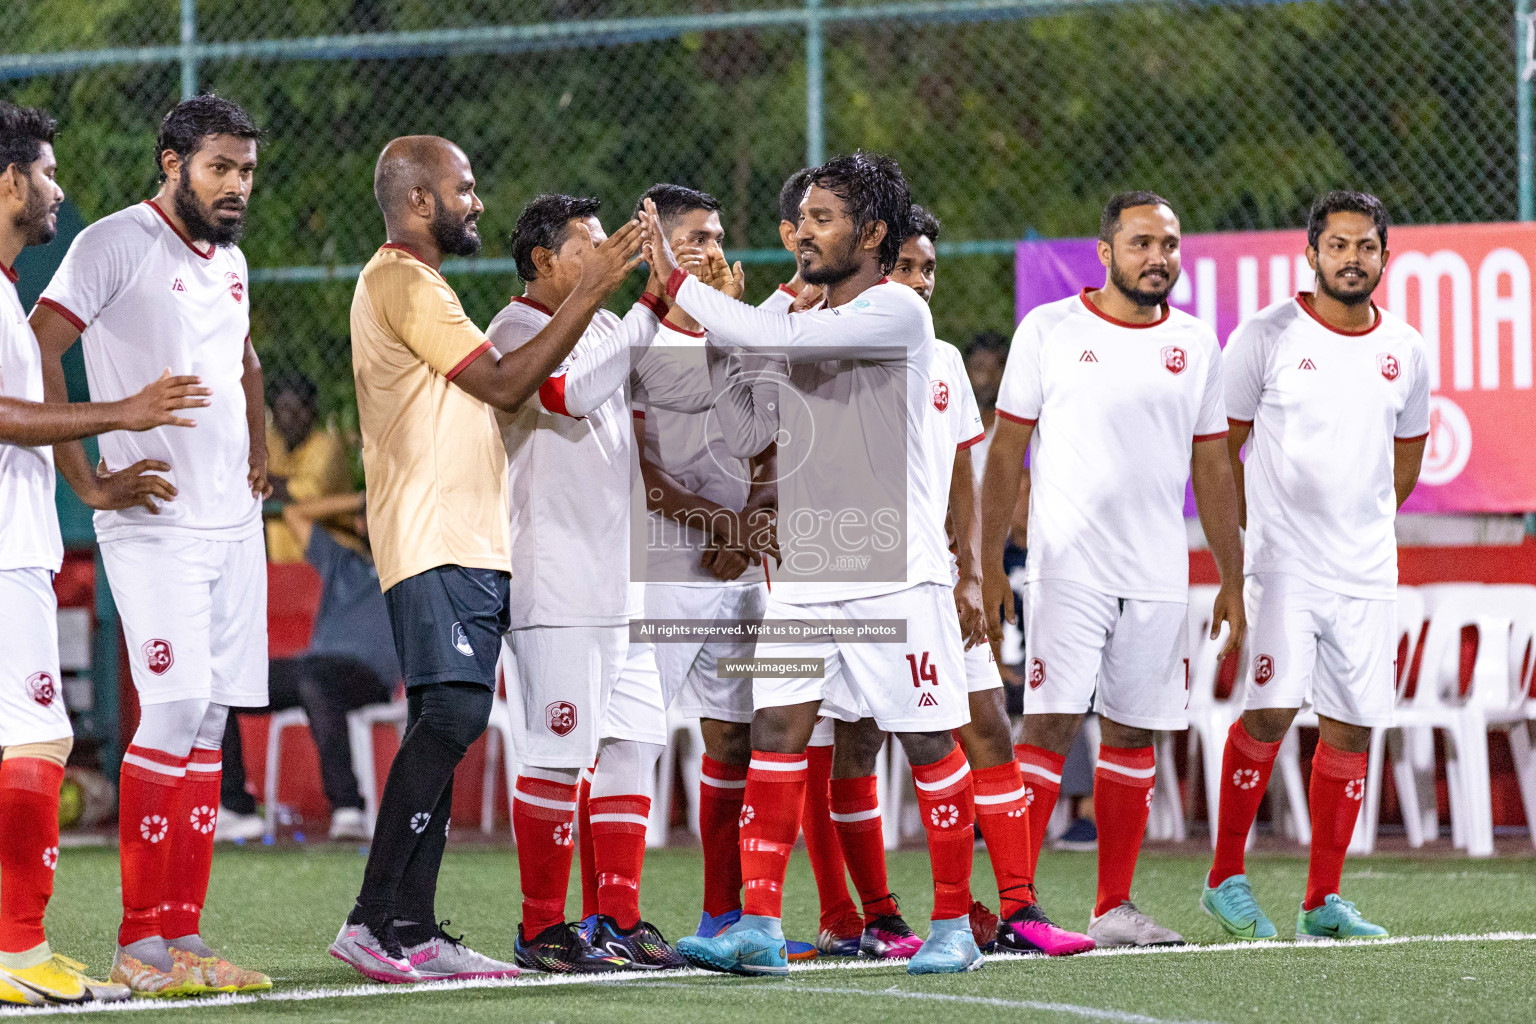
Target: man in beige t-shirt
(427, 384)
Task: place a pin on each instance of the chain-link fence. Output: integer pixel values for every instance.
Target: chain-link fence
(1010, 118)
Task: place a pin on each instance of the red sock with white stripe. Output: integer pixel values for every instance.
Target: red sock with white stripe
(193, 814)
(770, 821)
(821, 843)
(945, 799)
(1041, 772)
(1245, 767)
(856, 814)
(543, 807)
(29, 848)
(147, 787)
(1003, 818)
(1122, 796)
(721, 787)
(618, 839)
(1335, 793)
(587, 861)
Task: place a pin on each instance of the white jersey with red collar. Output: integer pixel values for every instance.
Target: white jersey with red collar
(1116, 408)
(29, 531)
(1326, 407)
(147, 299)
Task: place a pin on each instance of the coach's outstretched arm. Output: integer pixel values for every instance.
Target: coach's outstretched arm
(1210, 475)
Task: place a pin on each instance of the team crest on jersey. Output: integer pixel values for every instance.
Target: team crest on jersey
(1174, 360)
(560, 717)
(236, 286)
(1263, 669)
(158, 656)
(1387, 363)
(1036, 673)
(940, 395)
(41, 688)
(1307, 364)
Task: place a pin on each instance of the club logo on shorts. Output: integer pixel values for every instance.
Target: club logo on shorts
(1263, 669)
(940, 395)
(927, 701)
(1387, 363)
(944, 815)
(1173, 359)
(158, 656)
(560, 717)
(461, 641)
(1036, 673)
(236, 286)
(41, 688)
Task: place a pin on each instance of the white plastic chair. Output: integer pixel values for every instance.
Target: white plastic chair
(1410, 627)
(360, 725)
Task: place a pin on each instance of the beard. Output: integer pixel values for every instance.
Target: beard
(453, 237)
(1133, 290)
(199, 219)
(33, 220)
(834, 267)
(1359, 298)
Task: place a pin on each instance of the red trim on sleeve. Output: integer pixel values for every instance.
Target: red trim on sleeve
(1410, 440)
(655, 303)
(75, 321)
(638, 414)
(682, 330)
(1304, 300)
(170, 224)
(552, 394)
(462, 363)
(10, 273)
(675, 282)
(1096, 311)
(963, 445)
(524, 300)
(1234, 421)
(787, 290)
(883, 280)
(1210, 437)
(1011, 418)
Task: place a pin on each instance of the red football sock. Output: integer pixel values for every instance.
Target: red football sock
(1041, 771)
(856, 814)
(720, 789)
(146, 796)
(770, 821)
(193, 815)
(29, 848)
(1336, 792)
(945, 800)
(821, 842)
(542, 808)
(1122, 796)
(587, 861)
(1245, 767)
(618, 839)
(1003, 816)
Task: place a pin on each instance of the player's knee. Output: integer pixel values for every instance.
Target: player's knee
(52, 751)
(856, 748)
(783, 730)
(1051, 732)
(456, 713)
(172, 726)
(1269, 725)
(1352, 739)
(1117, 734)
(727, 742)
(210, 732)
(927, 747)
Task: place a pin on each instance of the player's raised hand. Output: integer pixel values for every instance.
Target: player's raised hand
(655, 246)
(158, 403)
(1229, 609)
(135, 486)
(730, 280)
(604, 267)
(810, 296)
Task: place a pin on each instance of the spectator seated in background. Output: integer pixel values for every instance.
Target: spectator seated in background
(305, 459)
(350, 663)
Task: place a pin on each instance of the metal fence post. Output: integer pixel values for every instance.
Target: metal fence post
(188, 49)
(1523, 71)
(815, 80)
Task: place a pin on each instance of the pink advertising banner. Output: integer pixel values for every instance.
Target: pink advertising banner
(1466, 287)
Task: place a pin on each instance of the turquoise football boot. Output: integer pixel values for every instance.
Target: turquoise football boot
(949, 949)
(1232, 905)
(1335, 919)
(748, 947)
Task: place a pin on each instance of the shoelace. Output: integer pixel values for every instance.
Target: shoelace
(1244, 903)
(1135, 913)
(1350, 911)
(442, 933)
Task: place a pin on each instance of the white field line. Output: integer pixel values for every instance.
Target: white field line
(544, 981)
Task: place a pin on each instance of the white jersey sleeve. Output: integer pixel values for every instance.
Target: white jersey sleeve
(968, 426)
(1243, 369)
(779, 300)
(1020, 395)
(100, 263)
(1211, 423)
(1413, 421)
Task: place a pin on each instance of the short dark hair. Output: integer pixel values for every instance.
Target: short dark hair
(792, 192)
(295, 383)
(191, 121)
(873, 188)
(672, 201)
(988, 341)
(23, 130)
(1345, 201)
(921, 222)
(544, 223)
(1109, 220)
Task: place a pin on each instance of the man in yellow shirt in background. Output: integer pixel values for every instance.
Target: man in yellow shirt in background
(305, 458)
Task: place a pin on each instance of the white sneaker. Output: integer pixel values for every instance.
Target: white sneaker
(350, 823)
(1127, 926)
(231, 826)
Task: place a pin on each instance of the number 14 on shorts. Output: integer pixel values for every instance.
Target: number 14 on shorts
(922, 671)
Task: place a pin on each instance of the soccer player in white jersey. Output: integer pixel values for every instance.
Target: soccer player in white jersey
(163, 284)
(1331, 394)
(859, 374)
(955, 427)
(1122, 394)
(35, 734)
